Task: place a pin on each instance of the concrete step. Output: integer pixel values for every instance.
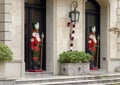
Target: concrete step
(104, 79)
(2, 75)
(100, 71)
(81, 82)
(35, 74)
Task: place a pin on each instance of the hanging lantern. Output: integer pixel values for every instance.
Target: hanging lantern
(74, 14)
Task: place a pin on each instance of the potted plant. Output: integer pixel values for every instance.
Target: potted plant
(5, 53)
(5, 56)
(74, 62)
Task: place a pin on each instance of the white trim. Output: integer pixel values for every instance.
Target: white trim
(83, 18)
(22, 40)
(51, 36)
(55, 37)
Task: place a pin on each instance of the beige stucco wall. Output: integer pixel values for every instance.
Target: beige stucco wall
(16, 28)
(113, 22)
(58, 32)
(13, 36)
(109, 46)
(63, 32)
(50, 35)
(114, 58)
(115, 52)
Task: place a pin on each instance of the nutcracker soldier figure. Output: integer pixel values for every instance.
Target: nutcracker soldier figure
(92, 48)
(35, 49)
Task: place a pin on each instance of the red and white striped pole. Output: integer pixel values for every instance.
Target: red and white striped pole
(72, 34)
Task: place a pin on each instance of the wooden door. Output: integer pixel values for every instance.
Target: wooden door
(92, 18)
(35, 11)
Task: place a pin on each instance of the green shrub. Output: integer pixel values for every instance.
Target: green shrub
(74, 57)
(5, 53)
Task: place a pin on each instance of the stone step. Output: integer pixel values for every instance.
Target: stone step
(2, 76)
(35, 74)
(100, 71)
(80, 82)
(71, 80)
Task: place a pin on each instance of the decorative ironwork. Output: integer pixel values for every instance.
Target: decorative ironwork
(74, 14)
(115, 31)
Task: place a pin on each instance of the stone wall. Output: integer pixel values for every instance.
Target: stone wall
(63, 32)
(118, 26)
(114, 59)
(11, 34)
(5, 21)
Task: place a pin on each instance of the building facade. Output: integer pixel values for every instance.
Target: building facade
(15, 17)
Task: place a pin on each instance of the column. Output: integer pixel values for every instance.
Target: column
(118, 26)
(117, 69)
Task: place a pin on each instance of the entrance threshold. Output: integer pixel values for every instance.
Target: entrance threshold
(37, 74)
(99, 71)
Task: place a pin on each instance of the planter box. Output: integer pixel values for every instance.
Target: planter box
(10, 69)
(74, 68)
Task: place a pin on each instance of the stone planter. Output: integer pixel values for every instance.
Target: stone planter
(2, 69)
(10, 69)
(74, 68)
(7, 82)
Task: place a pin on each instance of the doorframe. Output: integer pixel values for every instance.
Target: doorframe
(105, 7)
(51, 36)
(22, 40)
(41, 8)
(97, 15)
(51, 41)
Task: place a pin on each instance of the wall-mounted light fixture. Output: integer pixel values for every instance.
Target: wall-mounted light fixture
(74, 14)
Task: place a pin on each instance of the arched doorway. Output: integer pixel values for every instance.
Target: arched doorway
(35, 11)
(92, 18)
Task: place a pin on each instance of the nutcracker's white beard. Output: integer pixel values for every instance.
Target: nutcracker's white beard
(36, 35)
(93, 37)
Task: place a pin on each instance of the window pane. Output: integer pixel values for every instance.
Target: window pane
(90, 6)
(33, 1)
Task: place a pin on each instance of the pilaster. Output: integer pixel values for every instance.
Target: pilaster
(5, 20)
(118, 26)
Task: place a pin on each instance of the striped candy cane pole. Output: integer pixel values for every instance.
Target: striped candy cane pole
(72, 34)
